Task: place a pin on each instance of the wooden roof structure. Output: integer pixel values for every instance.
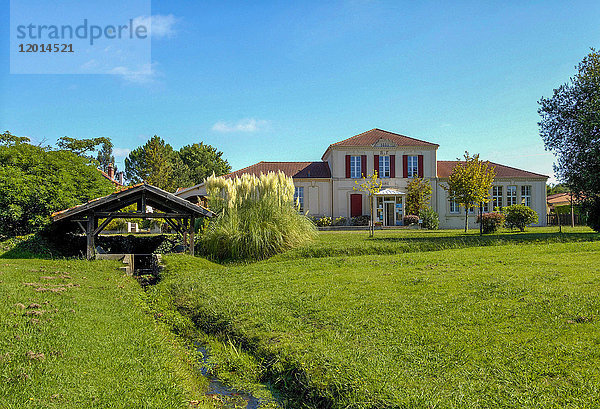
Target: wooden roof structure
(177, 212)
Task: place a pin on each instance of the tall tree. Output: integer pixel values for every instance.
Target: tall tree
(199, 161)
(83, 147)
(570, 128)
(105, 156)
(418, 195)
(470, 183)
(371, 185)
(9, 139)
(152, 163)
(36, 181)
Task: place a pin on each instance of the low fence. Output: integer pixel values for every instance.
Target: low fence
(565, 219)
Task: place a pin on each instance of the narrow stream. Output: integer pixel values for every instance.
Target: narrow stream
(146, 270)
(230, 397)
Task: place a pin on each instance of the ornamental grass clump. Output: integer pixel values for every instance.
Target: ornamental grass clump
(257, 218)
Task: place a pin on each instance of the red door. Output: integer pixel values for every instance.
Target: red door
(355, 205)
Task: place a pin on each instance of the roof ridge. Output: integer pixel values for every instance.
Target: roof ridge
(362, 133)
(404, 136)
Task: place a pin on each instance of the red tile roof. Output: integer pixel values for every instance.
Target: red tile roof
(561, 198)
(371, 137)
(115, 181)
(444, 169)
(294, 169)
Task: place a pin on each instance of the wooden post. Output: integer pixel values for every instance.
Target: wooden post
(192, 223)
(184, 232)
(91, 242)
(572, 212)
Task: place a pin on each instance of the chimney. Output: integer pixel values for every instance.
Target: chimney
(120, 177)
(111, 171)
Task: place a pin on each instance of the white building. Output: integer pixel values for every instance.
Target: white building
(325, 188)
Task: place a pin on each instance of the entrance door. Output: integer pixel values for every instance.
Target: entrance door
(355, 205)
(389, 214)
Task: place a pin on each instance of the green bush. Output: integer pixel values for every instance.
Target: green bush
(410, 219)
(491, 222)
(340, 221)
(256, 219)
(518, 216)
(324, 221)
(359, 221)
(430, 218)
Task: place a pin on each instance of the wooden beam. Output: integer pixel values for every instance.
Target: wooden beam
(98, 229)
(171, 223)
(91, 245)
(136, 215)
(192, 223)
(79, 222)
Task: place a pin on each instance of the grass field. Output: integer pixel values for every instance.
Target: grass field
(356, 243)
(486, 325)
(76, 334)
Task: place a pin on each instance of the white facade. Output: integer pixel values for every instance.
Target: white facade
(328, 190)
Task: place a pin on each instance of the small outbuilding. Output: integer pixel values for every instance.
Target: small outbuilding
(150, 202)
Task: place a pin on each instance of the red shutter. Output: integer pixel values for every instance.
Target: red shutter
(348, 166)
(376, 164)
(405, 166)
(392, 166)
(363, 165)
(420, 166)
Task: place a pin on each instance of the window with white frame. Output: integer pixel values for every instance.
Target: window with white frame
(454, 207)
(384, 166)
(299, 197)
(511, 195)
(413, 166)
(526, 195)
(355, 167)
(497, 197)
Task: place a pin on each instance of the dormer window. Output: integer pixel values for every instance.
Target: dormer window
(413, 166)
(384, 166)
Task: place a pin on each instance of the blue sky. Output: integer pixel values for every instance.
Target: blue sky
(281, 81)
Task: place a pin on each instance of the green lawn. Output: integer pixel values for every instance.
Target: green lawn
(356, 243)
(77, 334)
(511, 326)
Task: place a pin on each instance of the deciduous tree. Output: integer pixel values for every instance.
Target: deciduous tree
(470, 183)
(371, 185)
(570, 128)
(36, 181)
(199, 161)
(418, 195)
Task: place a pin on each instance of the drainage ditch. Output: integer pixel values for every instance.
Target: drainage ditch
(146, 268)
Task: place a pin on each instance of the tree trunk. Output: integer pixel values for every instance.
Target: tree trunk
(481, 219)
(466, 219)
(372, 228)
(572, 213)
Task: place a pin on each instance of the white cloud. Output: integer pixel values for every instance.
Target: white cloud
(158, 25)
(244, 125)
(144, 74)
(121, 152)
(89, 65)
